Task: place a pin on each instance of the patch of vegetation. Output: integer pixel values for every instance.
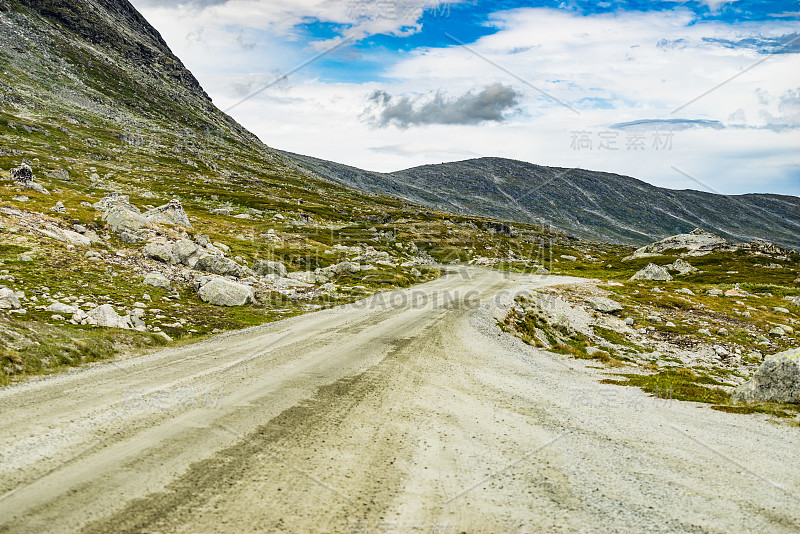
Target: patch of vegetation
(679, 384)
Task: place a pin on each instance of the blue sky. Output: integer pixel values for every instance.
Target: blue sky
(700, 95)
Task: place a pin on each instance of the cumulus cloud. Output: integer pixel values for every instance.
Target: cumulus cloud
(788, 112)
(487, 105)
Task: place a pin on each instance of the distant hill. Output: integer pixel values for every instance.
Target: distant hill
(589, 204)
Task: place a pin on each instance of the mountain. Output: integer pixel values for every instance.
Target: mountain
(589, 204)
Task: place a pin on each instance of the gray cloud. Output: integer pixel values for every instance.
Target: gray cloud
(668, 124)
(486, 105)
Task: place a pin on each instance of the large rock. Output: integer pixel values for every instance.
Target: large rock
(68, 236)
(605, 305)
(170, 213)
(265, 267)
(61, 308)
(156, 279)
(160, 252)
(187, 252)
(776, 380)
(681, 266)
(126, 223)
(23, 176)
(652, 272)
(105, 315)
(211, 263)
(222, 292)
(115, 200)
(59, 174)
(696, 240)
(344, 267)
(9, 299)
(306, 277)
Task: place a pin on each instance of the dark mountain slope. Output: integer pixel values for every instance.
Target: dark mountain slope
(592, 205)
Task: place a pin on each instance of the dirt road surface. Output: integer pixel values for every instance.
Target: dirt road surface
(406, 412)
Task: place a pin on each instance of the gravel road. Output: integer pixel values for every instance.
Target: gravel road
(406, 412)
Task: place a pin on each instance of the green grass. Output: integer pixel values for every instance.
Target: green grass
(678, 384)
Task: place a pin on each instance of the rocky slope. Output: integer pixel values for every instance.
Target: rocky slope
(133, 211)
(589, 204)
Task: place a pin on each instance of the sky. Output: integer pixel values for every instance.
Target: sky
(698, 95)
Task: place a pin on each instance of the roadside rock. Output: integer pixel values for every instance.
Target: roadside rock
(221, 265)
(604, 305)
(652, 272)
(776, 380)
(105, 315)
(265, 267)
(222, 292)
(170, 213)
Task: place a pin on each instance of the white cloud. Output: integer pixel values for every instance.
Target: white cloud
(613, 68)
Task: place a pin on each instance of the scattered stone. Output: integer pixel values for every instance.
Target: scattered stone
(780, 310)
(20, 198)
(704, 331)
(222, 292)
(715, 292)
(776, 380)
(604, 305)
(221, 211)
(567, 257)
(777, 332)
(684, 291)
(80, 228)
(59, 207)
(736, 292)
(265, 267)
(722, 332)
(652, 272)
(629, 321)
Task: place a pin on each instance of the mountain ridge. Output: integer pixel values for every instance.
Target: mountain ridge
(594, 205)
